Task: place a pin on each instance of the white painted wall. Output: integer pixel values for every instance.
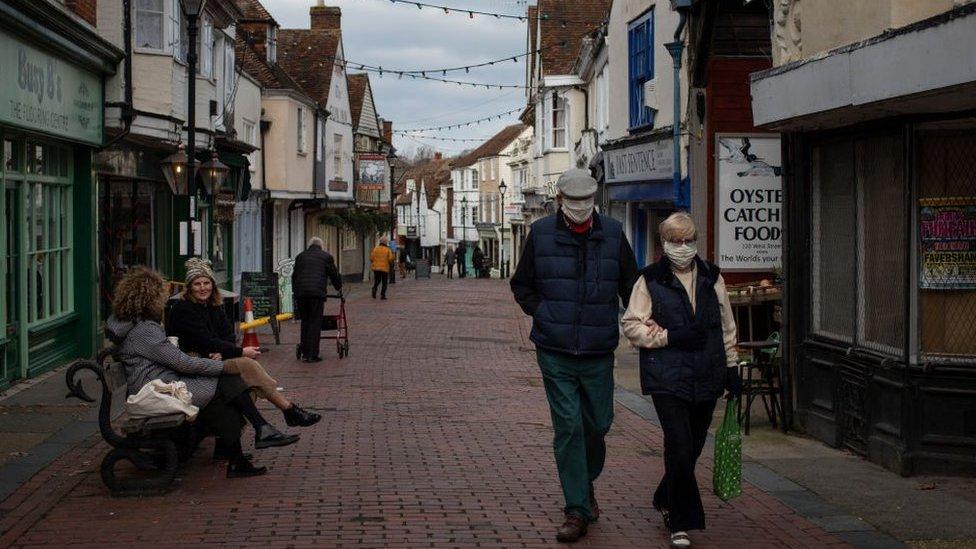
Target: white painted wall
(287, 168)
(339, 123)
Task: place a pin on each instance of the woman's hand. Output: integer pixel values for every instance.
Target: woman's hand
(653, 328)
(251, 352)
(216, 356)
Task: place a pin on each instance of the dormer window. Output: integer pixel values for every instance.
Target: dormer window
(272, 45)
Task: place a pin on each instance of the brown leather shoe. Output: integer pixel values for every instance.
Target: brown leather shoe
(594, 506)
(572, 530)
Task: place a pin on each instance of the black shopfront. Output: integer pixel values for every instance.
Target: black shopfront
(880, 254)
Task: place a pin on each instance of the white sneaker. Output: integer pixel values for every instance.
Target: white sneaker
(680, 539)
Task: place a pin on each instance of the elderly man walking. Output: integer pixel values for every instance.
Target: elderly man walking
(574, 267)
(314, 269)
(381, 260)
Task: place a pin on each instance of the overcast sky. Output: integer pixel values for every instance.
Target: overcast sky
(401, 36)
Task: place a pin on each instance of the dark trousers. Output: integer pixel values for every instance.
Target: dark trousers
(310, 310)
(380, 277)
(219, 417)
(685, 426)
(450, 270)
(461, 266)
(580, 395)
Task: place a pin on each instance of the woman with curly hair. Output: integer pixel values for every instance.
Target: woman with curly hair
(223, 398)
(198, 319)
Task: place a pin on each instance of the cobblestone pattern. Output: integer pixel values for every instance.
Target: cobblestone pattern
(436, 434)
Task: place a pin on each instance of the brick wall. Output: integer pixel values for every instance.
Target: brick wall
(326, 17)
(84, 8)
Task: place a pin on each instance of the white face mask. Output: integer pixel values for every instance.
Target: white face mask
(681, 255)
(577, 210)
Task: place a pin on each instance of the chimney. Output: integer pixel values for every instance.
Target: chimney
(256, 34)
(438, 156)
(86, 9)
(326, 17)
(388, 131)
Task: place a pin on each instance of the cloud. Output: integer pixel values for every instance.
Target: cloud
(402, 37)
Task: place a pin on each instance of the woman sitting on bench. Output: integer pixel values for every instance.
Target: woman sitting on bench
(223, 397)
(198, 319)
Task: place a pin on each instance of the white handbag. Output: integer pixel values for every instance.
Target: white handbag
(158, 398)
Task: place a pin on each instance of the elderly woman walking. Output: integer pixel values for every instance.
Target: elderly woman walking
(680, 318)
(222, 396)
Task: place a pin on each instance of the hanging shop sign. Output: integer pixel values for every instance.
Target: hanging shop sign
(947, 228)
(513, 211)
(651, 161)
(338, 186)
(372, 172)
(749, 203)
(43, 93)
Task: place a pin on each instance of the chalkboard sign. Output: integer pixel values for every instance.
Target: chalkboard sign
(262, 288)
(422, 268)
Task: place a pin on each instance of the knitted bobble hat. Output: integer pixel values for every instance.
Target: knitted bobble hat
(197, 267)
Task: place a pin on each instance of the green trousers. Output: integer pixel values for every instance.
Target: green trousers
(580, 394)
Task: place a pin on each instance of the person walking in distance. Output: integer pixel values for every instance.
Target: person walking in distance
(314, 269)
(680, 319)
(461, 249)
(449, 259)
(576, 267)
(381, 260)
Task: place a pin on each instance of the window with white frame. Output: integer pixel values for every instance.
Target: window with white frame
(150, 24)
(319, 140)
(349, 241)
(249, 130)
(300, 126)
(230, 75)
(474, 180)
(206, 48)
(337, 156)
(558, 122)
(272, 45)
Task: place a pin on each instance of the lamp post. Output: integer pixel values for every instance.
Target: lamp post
(502, 259)
(464, 230)
(391, 158)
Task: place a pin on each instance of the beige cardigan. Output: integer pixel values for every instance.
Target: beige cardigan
(638, 313)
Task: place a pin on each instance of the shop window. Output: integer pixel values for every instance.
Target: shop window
(882, 243)
(832, 241)
(945, 164)
(150, 17)
(47, 206)
(640, 43)
(348, 240)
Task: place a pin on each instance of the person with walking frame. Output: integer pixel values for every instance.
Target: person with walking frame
(576, 268)
(680, 319)
(314, 269)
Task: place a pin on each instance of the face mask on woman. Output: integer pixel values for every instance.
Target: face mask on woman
(577, 210)
(681, 255)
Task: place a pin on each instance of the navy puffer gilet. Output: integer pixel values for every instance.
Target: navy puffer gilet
(694, 376)
(578, 281)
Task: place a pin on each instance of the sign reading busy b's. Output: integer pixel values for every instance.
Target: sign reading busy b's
(750, 203)
(44, 93)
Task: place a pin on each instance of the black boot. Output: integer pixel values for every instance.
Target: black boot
(267, 436)
(298, 417)
(241, 467)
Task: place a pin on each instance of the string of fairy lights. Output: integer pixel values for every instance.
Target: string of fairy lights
(460, 125)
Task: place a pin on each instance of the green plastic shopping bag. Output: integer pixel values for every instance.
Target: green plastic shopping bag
(727, 470)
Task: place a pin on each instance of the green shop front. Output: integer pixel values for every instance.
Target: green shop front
(51, 119)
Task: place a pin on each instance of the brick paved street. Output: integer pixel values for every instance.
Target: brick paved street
(436, 433)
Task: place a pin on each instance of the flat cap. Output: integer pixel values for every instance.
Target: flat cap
(576, 183)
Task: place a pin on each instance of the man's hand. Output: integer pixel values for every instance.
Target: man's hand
(687, 338)
(216, 356)
(251, 352)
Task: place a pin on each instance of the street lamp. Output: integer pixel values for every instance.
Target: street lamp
(213, 174)
(502, 262)
(391, 159)
(175, 170)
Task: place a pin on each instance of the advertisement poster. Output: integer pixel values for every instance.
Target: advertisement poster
(749, 203)
(947, 231)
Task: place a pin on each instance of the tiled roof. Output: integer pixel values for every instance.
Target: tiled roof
(271, 76)
(432, 174)
(358, 84)
(309, 56)
(254, 12)
(566, 21)
(493, 146)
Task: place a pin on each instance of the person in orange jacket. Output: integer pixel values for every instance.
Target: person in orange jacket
(381, 260)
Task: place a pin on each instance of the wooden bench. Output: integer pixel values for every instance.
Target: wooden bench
(155, 446)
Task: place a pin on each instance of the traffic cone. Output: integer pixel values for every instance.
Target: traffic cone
(250, 336)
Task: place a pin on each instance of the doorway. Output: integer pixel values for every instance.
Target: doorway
(10, 314)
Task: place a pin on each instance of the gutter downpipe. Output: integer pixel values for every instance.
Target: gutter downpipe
(126, 113)
(675, 48)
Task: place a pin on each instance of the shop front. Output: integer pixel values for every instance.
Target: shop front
(640, 189)
(51, 119)
(880, 245)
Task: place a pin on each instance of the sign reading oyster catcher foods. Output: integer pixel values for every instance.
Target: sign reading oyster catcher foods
(749, 203)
